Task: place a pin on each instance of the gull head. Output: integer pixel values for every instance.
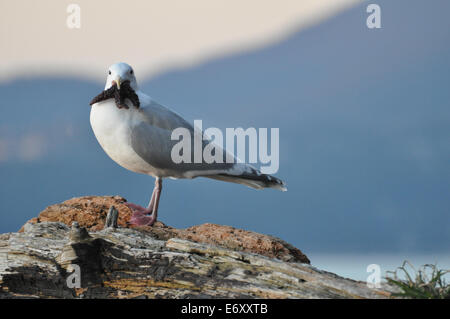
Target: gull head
(119, 73)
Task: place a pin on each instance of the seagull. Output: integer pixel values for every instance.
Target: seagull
(135, 132)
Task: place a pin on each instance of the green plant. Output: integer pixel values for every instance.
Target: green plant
(426, 283)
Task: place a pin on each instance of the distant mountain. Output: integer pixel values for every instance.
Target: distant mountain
(364, 136)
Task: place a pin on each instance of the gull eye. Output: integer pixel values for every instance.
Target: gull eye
(109, 72)
(131, 71)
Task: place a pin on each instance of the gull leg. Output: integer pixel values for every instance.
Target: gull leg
(135, 207)
(157, 190)
(147, 216)
(139, 209)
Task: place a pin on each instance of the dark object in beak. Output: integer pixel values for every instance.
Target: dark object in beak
(125, 92)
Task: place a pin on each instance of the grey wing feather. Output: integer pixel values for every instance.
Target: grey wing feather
(151, 140)
(160, 116)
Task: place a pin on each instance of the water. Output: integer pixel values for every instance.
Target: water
(354, 266)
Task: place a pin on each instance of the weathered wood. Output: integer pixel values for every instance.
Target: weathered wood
(91, 212)
(132, 263)
(112, 217)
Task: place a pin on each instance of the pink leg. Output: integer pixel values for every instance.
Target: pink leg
(135, 207)
(147, 216)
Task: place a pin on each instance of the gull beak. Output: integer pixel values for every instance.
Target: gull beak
(117, 80)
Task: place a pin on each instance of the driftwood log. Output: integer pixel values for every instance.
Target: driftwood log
(104, 258)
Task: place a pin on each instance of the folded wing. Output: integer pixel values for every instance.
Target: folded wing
(151, 140)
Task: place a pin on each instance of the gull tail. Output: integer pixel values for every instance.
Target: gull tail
(251, 177)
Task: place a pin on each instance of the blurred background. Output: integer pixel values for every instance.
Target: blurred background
(363, 114)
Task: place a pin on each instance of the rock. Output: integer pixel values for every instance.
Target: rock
(243, 240)
(48, 259)
(91, 212)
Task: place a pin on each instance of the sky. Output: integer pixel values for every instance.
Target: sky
(364, 128)
(151, 35)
